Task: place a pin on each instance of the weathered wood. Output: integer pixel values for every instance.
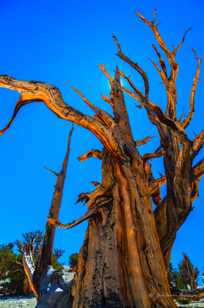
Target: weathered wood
(44, 259)
(123, 261)
(36, 266)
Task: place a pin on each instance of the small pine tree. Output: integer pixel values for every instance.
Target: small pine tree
(11, 272)
(188, 274)
(73, 261)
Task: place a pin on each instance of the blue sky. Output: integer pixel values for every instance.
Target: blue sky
(62, 42)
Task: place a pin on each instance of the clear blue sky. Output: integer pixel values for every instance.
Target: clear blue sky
(62, 42)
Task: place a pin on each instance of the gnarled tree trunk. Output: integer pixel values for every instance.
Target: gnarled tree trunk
(124, 258)
(120, 263)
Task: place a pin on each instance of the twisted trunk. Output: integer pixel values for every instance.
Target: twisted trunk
(120, 263)
(127, 247)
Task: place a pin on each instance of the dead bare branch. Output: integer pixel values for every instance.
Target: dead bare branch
(176, 49)
(170, 82)
(161, 73)
(198, 169)
(89, 214)
(134, 65)
(161, 60)
(92, 153)
(86, 100)
(157, 35)
(198, 142)
(45, 257)
(143, 141)
(105, 72)
(51, 171)
(187, 121)
(107, 100)
(132, 85)
(32, 91)
(154, 155)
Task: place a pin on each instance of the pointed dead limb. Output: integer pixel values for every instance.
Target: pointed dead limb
(106, 73)
(132, 85)
(86, 100)
(90, 213)
(171, 81)
(107, 100)
(187, 121)
(92, 153)
(156, 115)
(53, 172)
(158, 37)
(176, 49)
(134, 65)
(45, 257)
(198, 143)
(161, 73)
(100, 114)
(198, 169)
(161, 61)
(143, 141)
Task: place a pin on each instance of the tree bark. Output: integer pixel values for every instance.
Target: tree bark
(120, 263)
(123, 262)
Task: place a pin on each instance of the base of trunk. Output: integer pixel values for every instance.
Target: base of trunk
(101, 280)
(98, 277)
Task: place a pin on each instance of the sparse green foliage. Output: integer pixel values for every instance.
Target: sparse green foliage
(73, 261)
(13, 280)
(58, 253)
(11, 272)
(188, 274)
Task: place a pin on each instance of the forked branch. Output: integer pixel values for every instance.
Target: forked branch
(89, 214)
(176, 49)
(169, 82)
(134, 65)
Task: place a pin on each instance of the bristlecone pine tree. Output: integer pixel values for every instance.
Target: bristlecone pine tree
(124, 258)
(188, 273)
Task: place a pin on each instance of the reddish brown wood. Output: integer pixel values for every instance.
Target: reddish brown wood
(124, 257)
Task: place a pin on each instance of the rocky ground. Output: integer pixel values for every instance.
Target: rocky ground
(18, 303)
(30, 303)
(193, 305)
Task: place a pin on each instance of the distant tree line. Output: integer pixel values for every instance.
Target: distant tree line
(13, 280)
